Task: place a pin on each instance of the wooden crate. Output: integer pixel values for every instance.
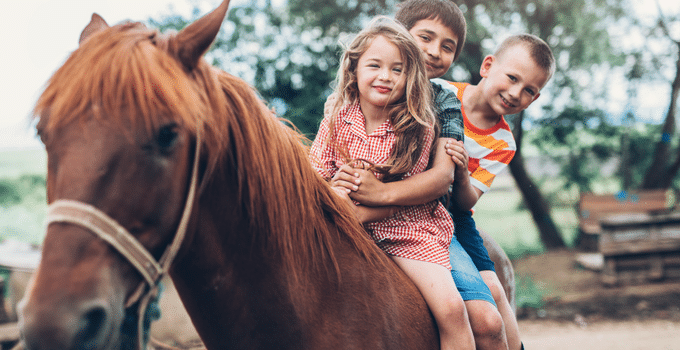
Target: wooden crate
(641, 247)
(592, 209)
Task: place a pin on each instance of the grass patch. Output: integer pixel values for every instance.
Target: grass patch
(528, 294)
(23, 223)
(22, 173)
(498, 213)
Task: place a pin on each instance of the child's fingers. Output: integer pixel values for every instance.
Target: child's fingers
(346, 178)
(454, 146)
(343, 193)
(347, 186)
(349, 171)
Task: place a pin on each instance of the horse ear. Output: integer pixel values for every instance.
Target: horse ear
(97, 23)
(193, 41)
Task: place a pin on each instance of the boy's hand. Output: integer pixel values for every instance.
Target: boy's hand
(459, 156)
(346, 179)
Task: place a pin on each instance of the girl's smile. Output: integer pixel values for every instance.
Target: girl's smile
(380, 78)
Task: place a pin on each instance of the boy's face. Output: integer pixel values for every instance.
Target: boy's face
(512, 80)
(438, 42)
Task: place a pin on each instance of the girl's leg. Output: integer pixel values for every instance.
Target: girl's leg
(509, 319)
(437, 287)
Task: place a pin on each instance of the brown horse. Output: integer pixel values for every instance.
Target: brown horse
(262, 253)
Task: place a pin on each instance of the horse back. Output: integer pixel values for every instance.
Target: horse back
(372, 306)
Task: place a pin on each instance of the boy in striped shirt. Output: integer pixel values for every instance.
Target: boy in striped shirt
(512, 79)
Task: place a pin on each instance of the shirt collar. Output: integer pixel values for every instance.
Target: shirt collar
(353, 116)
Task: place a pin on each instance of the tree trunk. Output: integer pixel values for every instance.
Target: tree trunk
(540, 210)
(660, 174)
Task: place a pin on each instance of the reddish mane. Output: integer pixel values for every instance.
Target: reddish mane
(125, 75)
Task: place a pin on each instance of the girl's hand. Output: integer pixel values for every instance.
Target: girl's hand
(459, 156)
(369, 189)
(341, 192)
(346, 179)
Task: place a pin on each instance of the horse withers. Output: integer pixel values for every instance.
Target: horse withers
(158, 162)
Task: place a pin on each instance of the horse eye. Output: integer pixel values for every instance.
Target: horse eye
(167, 137)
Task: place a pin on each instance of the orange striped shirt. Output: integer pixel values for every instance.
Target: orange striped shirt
(490, 150)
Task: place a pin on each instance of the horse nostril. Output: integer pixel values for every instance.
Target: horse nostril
(93, 326)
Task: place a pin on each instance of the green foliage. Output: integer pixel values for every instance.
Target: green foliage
(583, 141)
(4, 276)
(8, 193)
(290, 55)
(528, 293)
(22, 207)
(25, 188)
(580, 140)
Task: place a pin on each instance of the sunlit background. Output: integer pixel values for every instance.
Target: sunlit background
(595, 128)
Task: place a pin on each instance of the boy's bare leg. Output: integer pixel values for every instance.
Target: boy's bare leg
(437, 287)
(508, 315)
(487, 325)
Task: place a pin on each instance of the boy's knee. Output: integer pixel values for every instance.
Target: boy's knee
(486, 321)
(497, 291)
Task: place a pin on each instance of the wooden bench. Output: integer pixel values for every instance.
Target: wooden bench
(592, 209)
(640, 247)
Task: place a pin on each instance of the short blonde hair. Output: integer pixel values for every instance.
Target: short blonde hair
(538, 50)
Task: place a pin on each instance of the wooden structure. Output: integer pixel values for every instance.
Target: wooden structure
(640, 247)
(592, 209)
(9, 331)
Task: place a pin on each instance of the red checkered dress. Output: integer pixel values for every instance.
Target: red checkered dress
(420, 232)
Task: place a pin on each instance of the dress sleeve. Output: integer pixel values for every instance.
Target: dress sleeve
(323, 153)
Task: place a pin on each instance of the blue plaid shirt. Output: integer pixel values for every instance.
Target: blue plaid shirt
(447, 107)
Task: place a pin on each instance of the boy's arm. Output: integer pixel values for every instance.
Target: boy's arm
(464, 195)
(370, 214)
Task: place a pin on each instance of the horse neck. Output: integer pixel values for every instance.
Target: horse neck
(225, 271)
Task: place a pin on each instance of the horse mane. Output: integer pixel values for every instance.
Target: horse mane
(124, 75)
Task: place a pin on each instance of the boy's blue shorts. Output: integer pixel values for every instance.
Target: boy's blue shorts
(470, 284)
(471, 241)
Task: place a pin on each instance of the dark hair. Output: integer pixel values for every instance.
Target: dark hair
(446, 11)
(538, 50)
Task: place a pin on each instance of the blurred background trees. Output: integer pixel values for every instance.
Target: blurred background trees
(289, 52)
(592, 129)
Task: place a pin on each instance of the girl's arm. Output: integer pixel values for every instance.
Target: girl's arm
(363, 213)
(417, 189)
(371, 214)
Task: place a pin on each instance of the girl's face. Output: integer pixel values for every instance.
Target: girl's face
(381, 76)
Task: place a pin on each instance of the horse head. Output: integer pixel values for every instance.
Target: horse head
(122, 122)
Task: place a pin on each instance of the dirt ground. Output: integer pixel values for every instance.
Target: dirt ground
(580, 312)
